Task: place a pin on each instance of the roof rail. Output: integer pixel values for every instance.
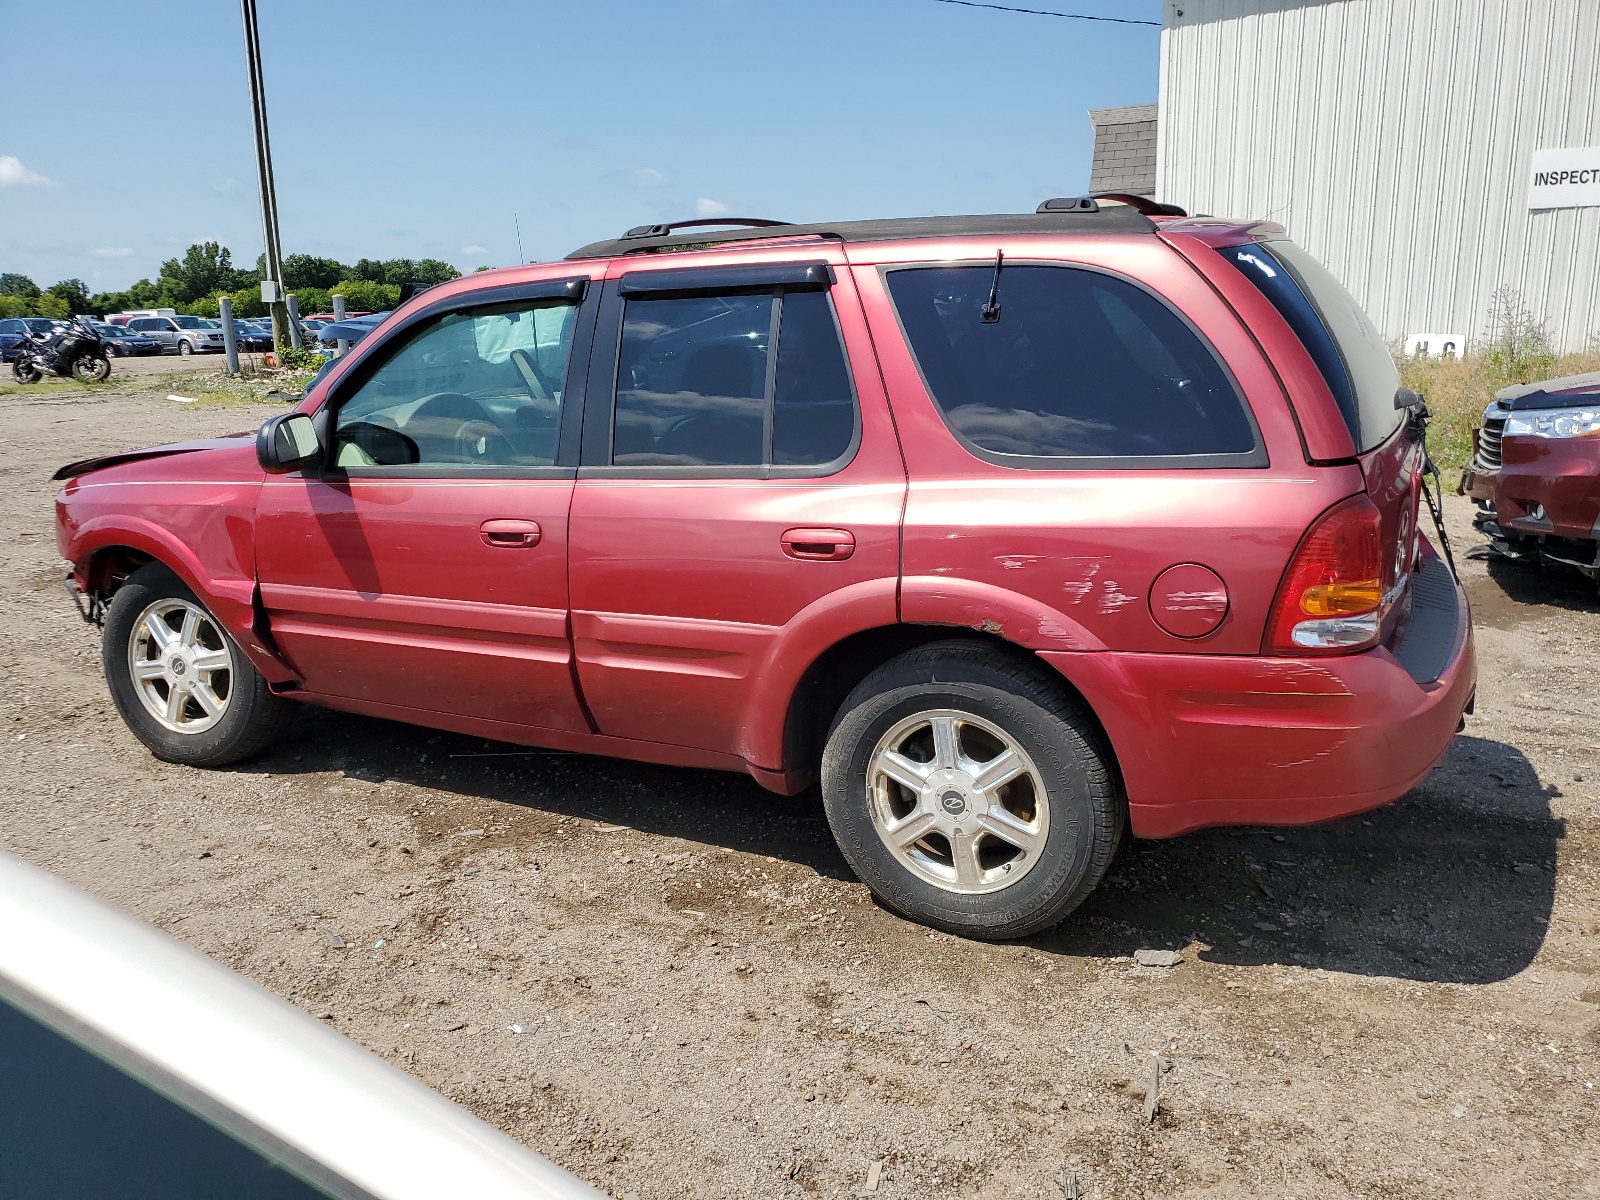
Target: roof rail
(1143, 204)
(667, 228)
(1068, 204)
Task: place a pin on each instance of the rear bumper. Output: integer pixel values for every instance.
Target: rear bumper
(1219, 740)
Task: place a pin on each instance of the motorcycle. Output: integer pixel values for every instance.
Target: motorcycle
(74, 350)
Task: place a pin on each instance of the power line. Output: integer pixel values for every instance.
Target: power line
(1039, 12)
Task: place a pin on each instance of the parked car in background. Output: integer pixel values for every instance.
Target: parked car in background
(15, 330)
(351, 329)
(124, 342)
(137, 1067)
(180, 334)
(1535, 473)
(1015, 531)
(253, 334)
(123, 318)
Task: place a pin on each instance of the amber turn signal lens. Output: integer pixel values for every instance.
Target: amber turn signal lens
(1341, 599)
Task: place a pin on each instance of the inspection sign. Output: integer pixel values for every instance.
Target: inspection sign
(1565, 178)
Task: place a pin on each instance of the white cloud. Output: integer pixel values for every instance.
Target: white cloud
(14, 174)
(645, 177)
(474, 250)
(707, 207)
(114, 252)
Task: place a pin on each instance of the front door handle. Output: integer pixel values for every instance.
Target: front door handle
(818, 545)
(509, 534)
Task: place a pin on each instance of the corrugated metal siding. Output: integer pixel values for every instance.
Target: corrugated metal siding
(1392, 138)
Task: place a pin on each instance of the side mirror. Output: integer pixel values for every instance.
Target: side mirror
(287, 443)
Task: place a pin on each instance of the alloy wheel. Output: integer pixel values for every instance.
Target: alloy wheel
(182, 665)
(958, 801)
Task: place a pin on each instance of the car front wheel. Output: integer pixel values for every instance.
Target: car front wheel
(185, 348)
(970, 793)
(180, 682)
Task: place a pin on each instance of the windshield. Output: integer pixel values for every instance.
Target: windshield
(191, 323)
(39, 324)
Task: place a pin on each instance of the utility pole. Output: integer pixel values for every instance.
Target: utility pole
(272, 284)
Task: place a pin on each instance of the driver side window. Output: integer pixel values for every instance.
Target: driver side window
(480, 388)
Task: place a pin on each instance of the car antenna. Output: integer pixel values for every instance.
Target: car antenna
(991, 309)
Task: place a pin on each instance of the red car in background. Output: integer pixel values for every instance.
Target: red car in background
(1013, 531)
(1535, 472)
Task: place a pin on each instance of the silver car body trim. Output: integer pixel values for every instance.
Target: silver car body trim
(248, 1062)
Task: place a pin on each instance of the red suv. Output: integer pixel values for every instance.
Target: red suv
(1012, 530)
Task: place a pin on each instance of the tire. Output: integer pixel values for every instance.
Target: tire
(23, 371)
(185, 349)
(248, 716)
(91, 368)
(1065, 810)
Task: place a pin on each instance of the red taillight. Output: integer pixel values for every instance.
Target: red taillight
(1331, 601)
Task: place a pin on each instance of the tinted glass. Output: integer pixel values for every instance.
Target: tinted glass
(477, 388)
(73, 1126)
(1079, 365)
(692, 381)
(1349, 352)
(191, 323)
(814, 410)
(1373, 375)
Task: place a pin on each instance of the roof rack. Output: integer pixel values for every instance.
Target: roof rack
(1140, 204)
(1112, 218)
(668, 228)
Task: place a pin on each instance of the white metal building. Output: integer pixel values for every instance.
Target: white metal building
(1428, 151)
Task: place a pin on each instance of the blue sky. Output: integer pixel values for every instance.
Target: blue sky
(416, 130)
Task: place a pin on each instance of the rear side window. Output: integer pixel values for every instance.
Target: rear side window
(1348, 350)
(1080, 366)
(732, 380)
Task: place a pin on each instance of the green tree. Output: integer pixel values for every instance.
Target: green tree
(431, 271)
(366, 295)
(205, 269)
(46, 305)
(74, 293)
(12, 284)
(247, 303)
(13, 306)
(311, 299)
(309, 271)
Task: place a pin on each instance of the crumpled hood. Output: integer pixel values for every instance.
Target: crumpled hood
(84, 465)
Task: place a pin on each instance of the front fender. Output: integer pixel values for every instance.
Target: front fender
(231, 599)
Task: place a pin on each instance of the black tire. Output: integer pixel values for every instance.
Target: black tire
(252, 717)
(185, 348)
(91, 368)
(1086, 806)
(23, 371)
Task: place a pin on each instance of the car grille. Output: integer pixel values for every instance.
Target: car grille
(1489, 443)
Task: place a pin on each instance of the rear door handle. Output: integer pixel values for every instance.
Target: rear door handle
(818, 545)
(509, 534)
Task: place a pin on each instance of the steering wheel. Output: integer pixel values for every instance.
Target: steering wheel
(538, 386)
(482, 442)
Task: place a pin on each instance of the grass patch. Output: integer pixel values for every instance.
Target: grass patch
(208, 389)
(1458, 390)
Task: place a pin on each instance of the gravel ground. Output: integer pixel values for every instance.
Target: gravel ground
(667, 981)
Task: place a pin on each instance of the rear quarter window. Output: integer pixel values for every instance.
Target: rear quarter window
(1082, 369)
(1350, 353)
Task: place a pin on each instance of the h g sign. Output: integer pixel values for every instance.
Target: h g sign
(1565, 178)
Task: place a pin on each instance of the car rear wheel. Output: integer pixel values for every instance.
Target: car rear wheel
(969, 793)
(180, 682)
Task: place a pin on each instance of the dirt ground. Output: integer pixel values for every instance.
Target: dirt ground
(668, 982)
